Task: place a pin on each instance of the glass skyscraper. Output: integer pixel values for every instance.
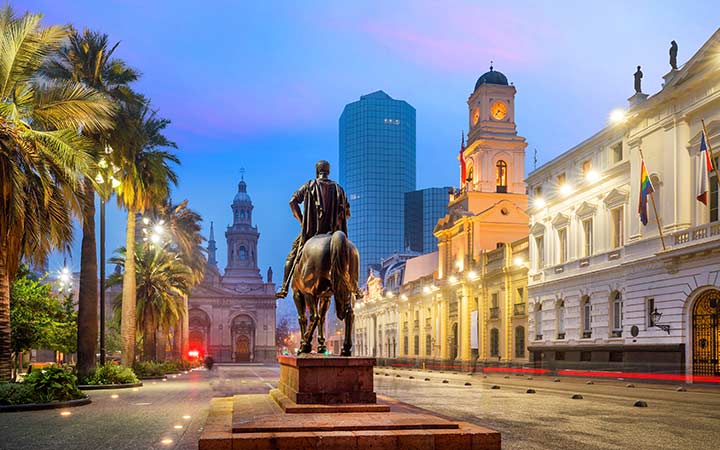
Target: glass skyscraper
(423, 208)
(377, 168)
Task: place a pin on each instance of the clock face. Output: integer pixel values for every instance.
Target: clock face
(475, 115)
(498, 110)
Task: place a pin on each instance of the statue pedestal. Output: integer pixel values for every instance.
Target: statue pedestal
(638, 98)
(669, 76)
(328, 402)
(327, 380)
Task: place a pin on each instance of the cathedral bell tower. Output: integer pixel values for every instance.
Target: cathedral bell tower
(242, 238)
(494, 157)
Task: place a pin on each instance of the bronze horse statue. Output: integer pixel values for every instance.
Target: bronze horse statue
(327, 267)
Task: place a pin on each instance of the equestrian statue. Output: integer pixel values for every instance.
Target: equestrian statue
(322, 263)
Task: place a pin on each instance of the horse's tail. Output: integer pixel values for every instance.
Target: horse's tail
(339, 264)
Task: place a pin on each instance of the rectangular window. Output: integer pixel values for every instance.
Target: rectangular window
(586, 317)
(617, 228)
(587, 225)
(617, 315)
(416, 345)
(616, 153)
(561, 179)
(537, 191)
(540, 252)
(562, 245)
(520, 295)
(586, 166)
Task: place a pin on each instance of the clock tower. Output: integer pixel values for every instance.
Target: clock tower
(495, 154)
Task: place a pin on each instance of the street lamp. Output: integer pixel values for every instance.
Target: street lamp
(105, 178)
(655, 317)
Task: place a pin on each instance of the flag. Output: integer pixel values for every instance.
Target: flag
(646, 188)
(463, 175)
(705, 166)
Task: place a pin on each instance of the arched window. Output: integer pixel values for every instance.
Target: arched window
(560, 319)
(470, 173)
(520, 342)
(501, 176)
(616, 316)
(242, 253)
(494, 342)
(586, 313)
(538, 322)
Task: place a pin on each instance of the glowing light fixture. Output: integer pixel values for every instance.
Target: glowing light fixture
(539, 202)
(617, 116)
(114, 396)
(592, 175)
(178, 427)
(453, 279)
(472, 275)
(426, 289)
(167, 441)
(566, 189)
(518, 261)
(404, 297)
(186, 417)
(146, 220)
(65, 413)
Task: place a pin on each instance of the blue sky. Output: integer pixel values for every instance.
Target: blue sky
(261, 85)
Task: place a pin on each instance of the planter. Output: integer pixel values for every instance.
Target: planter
(97, 387)
(38, 406)
(153, 377)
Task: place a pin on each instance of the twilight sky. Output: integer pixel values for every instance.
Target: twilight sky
(261, 86)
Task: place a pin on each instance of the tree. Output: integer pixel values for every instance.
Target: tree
(186, 240)
(38, 318)
(87, 58)
(146, 177)
(42, 155)
(163, 285)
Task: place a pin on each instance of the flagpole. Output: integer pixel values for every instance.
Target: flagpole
(709, 149)
(652, 200)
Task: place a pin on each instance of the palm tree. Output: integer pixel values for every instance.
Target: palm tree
(146, 178)
(42, 154)
(87, 58)
(184, 226)
(163, 285)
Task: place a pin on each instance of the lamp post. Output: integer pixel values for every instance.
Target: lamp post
(104, 178)
(655, 316)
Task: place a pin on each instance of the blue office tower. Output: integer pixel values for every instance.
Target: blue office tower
(377, 168)
(423, 209)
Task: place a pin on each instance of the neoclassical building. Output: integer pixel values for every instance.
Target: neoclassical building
(468, 306)
(232, 316)
(605, 291)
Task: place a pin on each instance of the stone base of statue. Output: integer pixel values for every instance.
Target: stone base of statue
(325, 402)
(638, 98)
(670, 75)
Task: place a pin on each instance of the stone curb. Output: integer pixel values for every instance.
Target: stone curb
(39, 406)
(98, 387)
(153, 377)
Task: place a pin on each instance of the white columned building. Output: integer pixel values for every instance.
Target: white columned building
(597, 274)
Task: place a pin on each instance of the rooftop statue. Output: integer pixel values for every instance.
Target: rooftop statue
(638, 79)
(673, 55)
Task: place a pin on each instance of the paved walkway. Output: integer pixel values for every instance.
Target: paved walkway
(171, 414)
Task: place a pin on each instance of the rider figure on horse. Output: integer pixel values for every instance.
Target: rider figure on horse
(326, 210)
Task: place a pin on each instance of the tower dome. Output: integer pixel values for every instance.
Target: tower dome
(242, 195)
(491, 77)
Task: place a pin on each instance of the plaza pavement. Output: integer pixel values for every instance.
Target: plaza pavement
(548, 419)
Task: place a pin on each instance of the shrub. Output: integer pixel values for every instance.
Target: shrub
(149, 369)
(209, 362)
(111, 373)
(17, 394)
(54, 384)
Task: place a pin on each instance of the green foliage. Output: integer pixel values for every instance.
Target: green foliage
(54, 384)
(111, 373)
(17, 394)
(149, 369)
(38, 319)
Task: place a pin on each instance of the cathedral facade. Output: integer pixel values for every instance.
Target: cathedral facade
(232, 315)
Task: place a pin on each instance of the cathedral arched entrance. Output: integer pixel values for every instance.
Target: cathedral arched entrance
(199, 330)
(705, 321)
(243, 338)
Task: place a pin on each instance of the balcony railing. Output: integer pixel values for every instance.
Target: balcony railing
(561, 336)
(538, 337)
(696, 233)
(494, 313)
(587, 334)
(617, 333)
(519, 309)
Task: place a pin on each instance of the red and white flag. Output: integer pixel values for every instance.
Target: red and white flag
(704, 168)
